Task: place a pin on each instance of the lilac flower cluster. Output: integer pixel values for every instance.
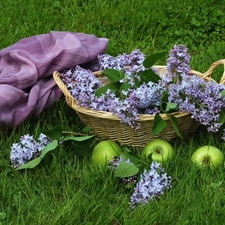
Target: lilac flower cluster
(202, 99)
(126, 111)
(82, 84)
(178, 63)
(131, 64)
(27, 149)
(142, 100)
(147, 96)
(105, 61)
(191, 93)
(152, 184)
(113, 165)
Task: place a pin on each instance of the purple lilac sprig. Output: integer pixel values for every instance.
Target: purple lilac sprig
(178, 63)
(152, 185)
(142, 100)
(147, 96)
(82, 84)
(131, 64)
(145, 99)
(202, 99)
(27, 149)
(191, 93)
(113, 165)
(126, 112)
(105, 61)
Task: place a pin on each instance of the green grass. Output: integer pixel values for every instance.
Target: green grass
(69, 189)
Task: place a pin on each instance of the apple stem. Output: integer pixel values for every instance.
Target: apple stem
(207, 161)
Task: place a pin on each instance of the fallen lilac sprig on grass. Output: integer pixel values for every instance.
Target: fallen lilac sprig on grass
(152, 185)
(27, 149)
(28, 153)
(147, 185)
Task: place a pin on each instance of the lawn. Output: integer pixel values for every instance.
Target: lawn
(65, 188)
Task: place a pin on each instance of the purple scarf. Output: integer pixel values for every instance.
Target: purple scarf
(26, 83)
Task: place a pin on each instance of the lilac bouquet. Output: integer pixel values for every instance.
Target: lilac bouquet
(135, 87)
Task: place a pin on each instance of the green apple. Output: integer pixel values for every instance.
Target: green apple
(104, 151)
(208, 156)
(160, 150)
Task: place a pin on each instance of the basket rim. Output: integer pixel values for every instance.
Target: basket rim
(109, 115)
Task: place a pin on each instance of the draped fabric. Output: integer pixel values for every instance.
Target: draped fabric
(26, 83)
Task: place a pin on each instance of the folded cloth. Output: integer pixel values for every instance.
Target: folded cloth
(26, 83)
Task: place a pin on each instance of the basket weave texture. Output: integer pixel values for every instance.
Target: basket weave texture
(108, 126)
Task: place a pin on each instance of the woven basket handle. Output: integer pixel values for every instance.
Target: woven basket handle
(208, 73)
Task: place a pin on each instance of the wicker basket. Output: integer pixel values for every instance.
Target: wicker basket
(108, 126)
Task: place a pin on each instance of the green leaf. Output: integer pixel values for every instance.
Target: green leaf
(129, 155)
(86, 129)
(33, 163)
(55, 133)
(222, 92)
(73, 138)
(113, 75)
(222, 117)
(124, 86)
(151, 59)
(51, 146)
(126, 169)
(115, 87)
(170, 107)
(158, 125)
(174, 123)
(137, 82)
(83, 149)
(165, 96)
(149, 75)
